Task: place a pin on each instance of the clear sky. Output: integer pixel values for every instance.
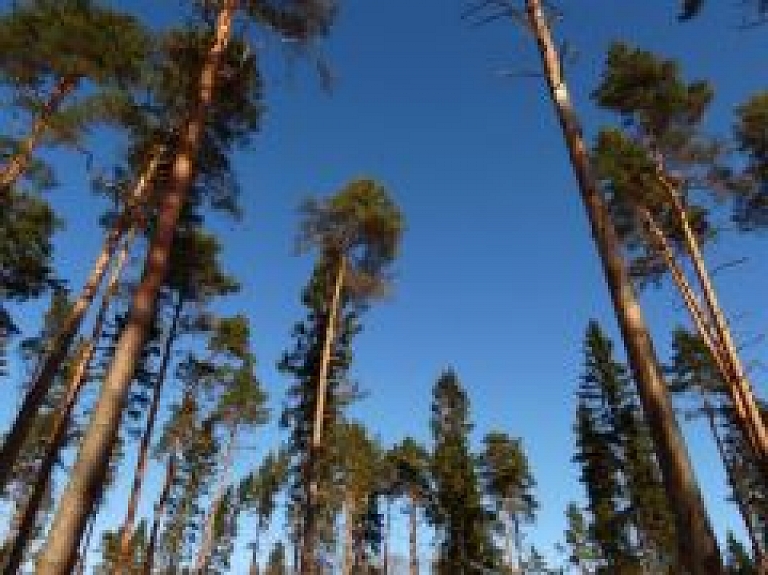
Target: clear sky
(498, 275)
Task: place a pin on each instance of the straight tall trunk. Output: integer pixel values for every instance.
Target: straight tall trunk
(149, 556)
(206, 545)
(59, 553)
(739, 386)
(57, 350)
(62, 416)
(697, 545)
(20, 161)
(126, 531)
(325, 359)
(413, 526)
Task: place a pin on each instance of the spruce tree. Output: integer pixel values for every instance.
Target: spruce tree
(456, 510)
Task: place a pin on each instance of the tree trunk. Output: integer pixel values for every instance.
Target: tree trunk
(20, 161)
(698, 548)
(58, 348)
(737, 486)
(206, 545)
(58, 554)
(387, 531)
(60, 424)
(738, 384)
(82, 560)
(325, 360)
(413, 525)
(349, 536)
(149, 557)
(126, 531)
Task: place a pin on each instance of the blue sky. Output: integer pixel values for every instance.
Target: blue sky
(498, 275)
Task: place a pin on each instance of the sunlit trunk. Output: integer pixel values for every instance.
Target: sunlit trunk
(59, 553)
(57, 350)
(698, 548)
(62, 416)
(20, 161)
(739, 386)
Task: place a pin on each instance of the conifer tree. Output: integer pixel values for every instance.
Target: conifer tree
(663, 114)
(697, 543)
(509, 483)
(456, 510)
(60, 550)
(412, 466)
(311, 475)
(75, 41)
(357, 233)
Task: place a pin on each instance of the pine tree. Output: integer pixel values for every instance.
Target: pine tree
(509, 483)
(456, 510)
(311, 474)
(74, 41)
(696, 539)
(59, 554)
(582, 550)
(663, 112)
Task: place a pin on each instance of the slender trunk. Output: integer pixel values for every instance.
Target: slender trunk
(349, 535)
(518, 543)
(325, 359)
(313, 449)
(413, 524)
(126, 531)
(739, 386)
(387, 531)
(82, 561)
(149, 557)
(698, 548)
(20, 161)
(206, 546)
(59, 552)
(736, 485)
(58, 348)
(60, 424)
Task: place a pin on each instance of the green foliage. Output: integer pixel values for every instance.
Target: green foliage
(27, 224)
(630, 523)
(40, 39)
(360, 223)
(751, 208)
(456, 510)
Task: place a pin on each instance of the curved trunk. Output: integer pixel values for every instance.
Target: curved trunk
(60, 425)
(20, 161)
(59, 553)
(149, 557)
(58, 348)
(698, 548)
(126, 530)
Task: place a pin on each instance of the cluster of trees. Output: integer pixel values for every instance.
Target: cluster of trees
(108, 355)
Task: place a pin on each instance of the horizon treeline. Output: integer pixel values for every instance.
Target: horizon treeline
(138, 395)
